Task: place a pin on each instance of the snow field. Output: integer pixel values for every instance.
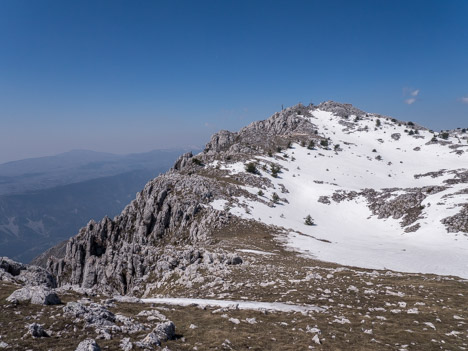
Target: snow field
(355, 236)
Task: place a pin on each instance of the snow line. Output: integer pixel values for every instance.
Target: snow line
(243, 305)
(257, 252)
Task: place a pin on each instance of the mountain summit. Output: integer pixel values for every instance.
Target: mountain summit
(321, 227)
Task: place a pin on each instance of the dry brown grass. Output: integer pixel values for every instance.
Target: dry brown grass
(438, 300)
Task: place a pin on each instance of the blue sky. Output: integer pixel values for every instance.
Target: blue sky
(130, 76)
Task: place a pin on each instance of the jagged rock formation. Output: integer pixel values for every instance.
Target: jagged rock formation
(264, 135)
(117, 253)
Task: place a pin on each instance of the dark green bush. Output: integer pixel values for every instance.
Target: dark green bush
(251, 167)
(275, 198)
(308, 220)
(197, 161)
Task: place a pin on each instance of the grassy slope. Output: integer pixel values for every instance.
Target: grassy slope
(438, 300)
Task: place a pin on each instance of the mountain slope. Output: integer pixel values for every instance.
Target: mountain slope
(381, 195)
(210, 246)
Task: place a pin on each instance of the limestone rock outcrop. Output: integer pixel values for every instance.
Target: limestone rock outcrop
(115, 254)
(37, 295)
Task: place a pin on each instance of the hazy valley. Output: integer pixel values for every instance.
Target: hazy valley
(44, 201)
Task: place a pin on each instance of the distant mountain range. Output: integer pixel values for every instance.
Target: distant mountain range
(76, 166)
(44, 201)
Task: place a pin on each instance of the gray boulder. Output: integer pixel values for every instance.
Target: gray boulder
(94, 314)
(37, 331)
(165, 330)
(162, 332)
(88, 345)
(234, 259)
(37, 295)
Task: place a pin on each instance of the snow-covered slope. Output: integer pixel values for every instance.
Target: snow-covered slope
(383, 194)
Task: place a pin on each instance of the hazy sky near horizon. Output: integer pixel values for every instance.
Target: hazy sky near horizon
(131, 76)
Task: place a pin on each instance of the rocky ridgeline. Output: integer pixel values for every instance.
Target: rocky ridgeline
(262, 135)
(278, 130)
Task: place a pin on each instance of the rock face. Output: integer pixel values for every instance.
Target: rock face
(37, 295)
(406, 206)
(114, 254)
(183, 161)
(263, 135)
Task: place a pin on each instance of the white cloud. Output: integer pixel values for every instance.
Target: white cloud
(411, 95)
(464, 99)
